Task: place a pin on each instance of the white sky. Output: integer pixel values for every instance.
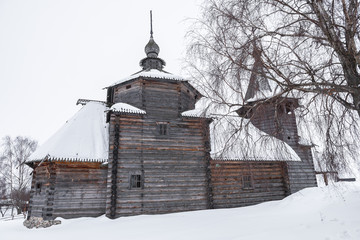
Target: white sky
(55, 52)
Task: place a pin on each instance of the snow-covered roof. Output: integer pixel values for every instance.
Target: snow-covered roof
(200, 111)
(197, 113)
(305, 142)
(126, 108)
(235, 138)
(82, 138)
(152, 73)
(261, 95)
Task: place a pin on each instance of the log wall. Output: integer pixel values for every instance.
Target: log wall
(269, 182)
(302, 174)
(42, 191)
(68, 190)
(278, 121)
(130, 93)
(165, 98)
(172, 167)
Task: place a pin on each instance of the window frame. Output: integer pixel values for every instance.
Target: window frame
(247, 182)
(135, 181)
(163, 128)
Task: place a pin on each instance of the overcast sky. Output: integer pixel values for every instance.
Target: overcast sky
(53, 52)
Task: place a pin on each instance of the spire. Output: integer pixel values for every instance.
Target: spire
(259, 86)
(152, 51)
(151, 31)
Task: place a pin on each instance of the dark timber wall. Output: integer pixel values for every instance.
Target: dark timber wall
(42, 191)
(172, 167)
(268, 182)
(302, 174)
(68, 190)
(159, 98)
(278, 119)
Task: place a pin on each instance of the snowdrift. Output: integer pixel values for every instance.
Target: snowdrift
(313, 213)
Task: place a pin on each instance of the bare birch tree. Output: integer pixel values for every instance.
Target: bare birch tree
(14, 171)
(309, 48)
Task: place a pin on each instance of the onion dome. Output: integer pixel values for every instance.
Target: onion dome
(152, 51)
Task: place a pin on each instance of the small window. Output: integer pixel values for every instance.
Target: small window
(38, 188)
(135, 181)
(163, 128)
(128, 86)
(289, 108)
(247, 182)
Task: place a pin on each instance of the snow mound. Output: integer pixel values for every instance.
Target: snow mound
(82, 138)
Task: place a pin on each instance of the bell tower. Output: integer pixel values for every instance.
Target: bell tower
(270, 113)
(275, 114)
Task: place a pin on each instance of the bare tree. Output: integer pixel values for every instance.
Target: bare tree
(3, 192)
(14, 171)
(308, 49)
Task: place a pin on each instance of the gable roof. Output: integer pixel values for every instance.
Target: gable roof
(84, 137)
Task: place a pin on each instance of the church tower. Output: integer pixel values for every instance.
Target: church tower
(275, 114)
(158, 156)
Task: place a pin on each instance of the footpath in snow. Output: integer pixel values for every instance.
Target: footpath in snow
(329, 213)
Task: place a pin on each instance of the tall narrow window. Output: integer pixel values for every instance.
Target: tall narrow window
(247, 182)
(135, 181)
(163, 129)
(110, 95)
(38, 188)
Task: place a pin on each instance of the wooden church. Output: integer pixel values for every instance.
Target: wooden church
(149, 149)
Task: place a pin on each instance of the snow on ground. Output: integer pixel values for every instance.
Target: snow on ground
(329, 213)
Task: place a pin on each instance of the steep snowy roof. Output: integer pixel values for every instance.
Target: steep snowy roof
(82, 138)
(200, 110)
(234, 138)
(127, 108)
(152, 73)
